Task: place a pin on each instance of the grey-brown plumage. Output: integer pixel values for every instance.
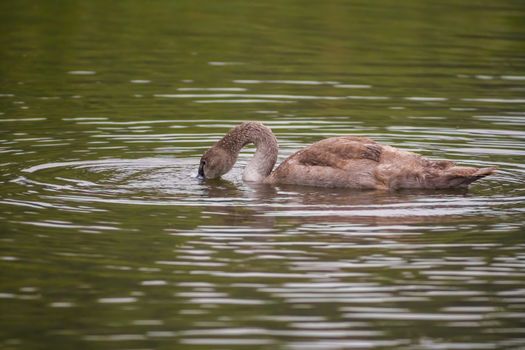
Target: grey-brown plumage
(345, 161)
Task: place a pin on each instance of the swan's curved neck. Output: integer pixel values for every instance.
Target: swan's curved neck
(261, 165)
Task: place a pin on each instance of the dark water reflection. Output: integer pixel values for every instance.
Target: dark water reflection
(109, 241)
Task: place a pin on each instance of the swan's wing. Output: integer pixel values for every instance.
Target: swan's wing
(339, 151)
(336, 162)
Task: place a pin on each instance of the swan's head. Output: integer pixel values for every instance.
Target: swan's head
(215, 162)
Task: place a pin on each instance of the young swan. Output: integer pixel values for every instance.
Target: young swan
(345, 161)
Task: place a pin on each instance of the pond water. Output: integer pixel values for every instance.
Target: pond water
(109, 241)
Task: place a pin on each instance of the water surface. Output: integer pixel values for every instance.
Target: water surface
(109, 241)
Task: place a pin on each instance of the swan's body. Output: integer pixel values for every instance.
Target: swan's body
(345, 161)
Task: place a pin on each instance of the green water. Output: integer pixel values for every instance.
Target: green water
(107, 239)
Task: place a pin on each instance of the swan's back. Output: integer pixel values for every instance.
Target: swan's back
(359, 162)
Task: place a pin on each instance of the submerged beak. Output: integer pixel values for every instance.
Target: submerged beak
(200, 173)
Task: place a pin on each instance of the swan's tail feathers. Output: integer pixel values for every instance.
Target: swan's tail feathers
(461, 177)
(482, 172)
